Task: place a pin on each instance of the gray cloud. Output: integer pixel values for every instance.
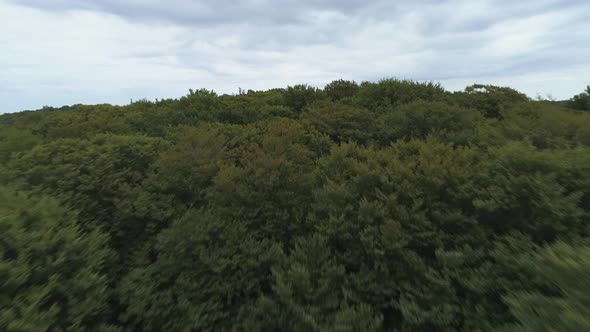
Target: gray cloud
(211, 12)
(204, 12)
(102, 51)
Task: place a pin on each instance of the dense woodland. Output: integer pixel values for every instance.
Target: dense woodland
(388, 206)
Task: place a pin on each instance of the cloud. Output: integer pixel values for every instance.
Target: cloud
(203, 12)
(64, 51)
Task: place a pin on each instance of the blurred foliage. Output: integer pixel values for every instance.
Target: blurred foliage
(52, 274)
(564, 303)
(386, 206)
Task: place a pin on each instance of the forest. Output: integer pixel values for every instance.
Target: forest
(394, 205)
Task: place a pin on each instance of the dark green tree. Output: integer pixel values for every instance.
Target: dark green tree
(309, 294)
(200, 104)
(581, 102)
(98, 177)
(298, 96)
(341, 89)
(52, 274)
(340, 122)
(417, 120)
(565, 304)
(392, 92)
(13, 141)
(206, 271)
(490, 100)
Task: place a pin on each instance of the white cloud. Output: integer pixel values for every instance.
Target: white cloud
(65, 52)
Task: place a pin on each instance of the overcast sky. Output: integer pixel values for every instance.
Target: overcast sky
(61, 52)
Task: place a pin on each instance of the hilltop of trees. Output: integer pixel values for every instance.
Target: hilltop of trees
(386, 206)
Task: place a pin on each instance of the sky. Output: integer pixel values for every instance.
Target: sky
(63, 52)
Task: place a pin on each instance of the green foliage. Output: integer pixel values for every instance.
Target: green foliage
(268, 184)
(309, 295)
(566, 307)
(542, 126)
(96, 176)
(420, 119)
(341, 89)
(393, 92)
(580, 102)
(249, 108)
(82, 121)
(340, 122)
(52, 275)
(201, 104)
(490, 100)
(205, 271)
(188, 167)
(13, 141)
(482, 274)
(388, 206)
(298, 96)
(385, 213)
(540, 193)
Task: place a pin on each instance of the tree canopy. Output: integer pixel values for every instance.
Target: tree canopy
(375, 206)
